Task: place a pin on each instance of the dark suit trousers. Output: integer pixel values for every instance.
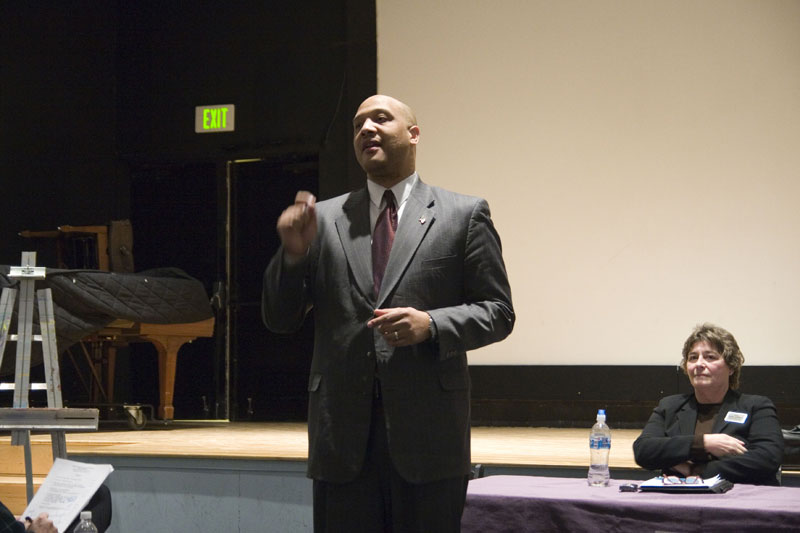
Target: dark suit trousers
(380, 500)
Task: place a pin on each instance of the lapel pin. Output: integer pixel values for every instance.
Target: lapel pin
(421, 220)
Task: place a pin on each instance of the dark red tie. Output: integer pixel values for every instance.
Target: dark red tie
(382, 239)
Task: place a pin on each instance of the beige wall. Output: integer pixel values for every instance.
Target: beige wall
(641, 158)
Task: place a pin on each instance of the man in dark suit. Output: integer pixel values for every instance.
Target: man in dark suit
(389, 412)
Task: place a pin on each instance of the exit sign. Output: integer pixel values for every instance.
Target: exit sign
(214, 118)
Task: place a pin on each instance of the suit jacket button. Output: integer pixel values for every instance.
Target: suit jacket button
(369, 354)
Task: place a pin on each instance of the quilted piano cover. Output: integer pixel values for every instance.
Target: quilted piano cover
(85, 301)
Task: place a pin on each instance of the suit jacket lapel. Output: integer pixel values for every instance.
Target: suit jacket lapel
(418, 215)
(728, 404)
(354, 234)
(687, 416)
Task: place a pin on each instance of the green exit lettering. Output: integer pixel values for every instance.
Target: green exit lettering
(214, 118)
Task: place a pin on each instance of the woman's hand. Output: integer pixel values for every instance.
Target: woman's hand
(721, 445)
(40, 524)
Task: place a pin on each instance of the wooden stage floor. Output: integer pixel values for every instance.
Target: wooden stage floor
(506, 446)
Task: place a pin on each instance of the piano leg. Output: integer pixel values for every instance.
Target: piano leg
(111, 363)
(167, 347)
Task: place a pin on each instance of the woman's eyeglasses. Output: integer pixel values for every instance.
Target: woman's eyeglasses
(675, 480)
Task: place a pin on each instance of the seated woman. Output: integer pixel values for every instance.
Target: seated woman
(715, 430)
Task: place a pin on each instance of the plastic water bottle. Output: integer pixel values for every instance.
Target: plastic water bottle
(599, 446)
(85, 525)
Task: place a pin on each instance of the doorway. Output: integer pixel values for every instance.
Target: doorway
(269, 372)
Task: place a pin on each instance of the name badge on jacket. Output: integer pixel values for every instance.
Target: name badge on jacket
(735, 417)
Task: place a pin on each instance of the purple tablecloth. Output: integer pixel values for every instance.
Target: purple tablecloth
(527, 503)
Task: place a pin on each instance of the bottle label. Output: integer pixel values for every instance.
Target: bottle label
(599, 443)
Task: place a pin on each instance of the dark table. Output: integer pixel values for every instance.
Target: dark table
(528, 503)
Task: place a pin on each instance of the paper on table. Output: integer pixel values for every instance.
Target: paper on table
(66, 490)
(712, 484)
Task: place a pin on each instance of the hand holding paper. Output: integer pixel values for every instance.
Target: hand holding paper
(42, 524)
(66, 490)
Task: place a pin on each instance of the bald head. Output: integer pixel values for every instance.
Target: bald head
(401, 108)
(385, 137)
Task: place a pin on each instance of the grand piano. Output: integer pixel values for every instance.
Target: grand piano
(106, 309)
(167, 340)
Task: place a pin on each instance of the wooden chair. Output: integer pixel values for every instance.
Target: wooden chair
(108, 248)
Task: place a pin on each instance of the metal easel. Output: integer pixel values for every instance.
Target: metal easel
(22, 419)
